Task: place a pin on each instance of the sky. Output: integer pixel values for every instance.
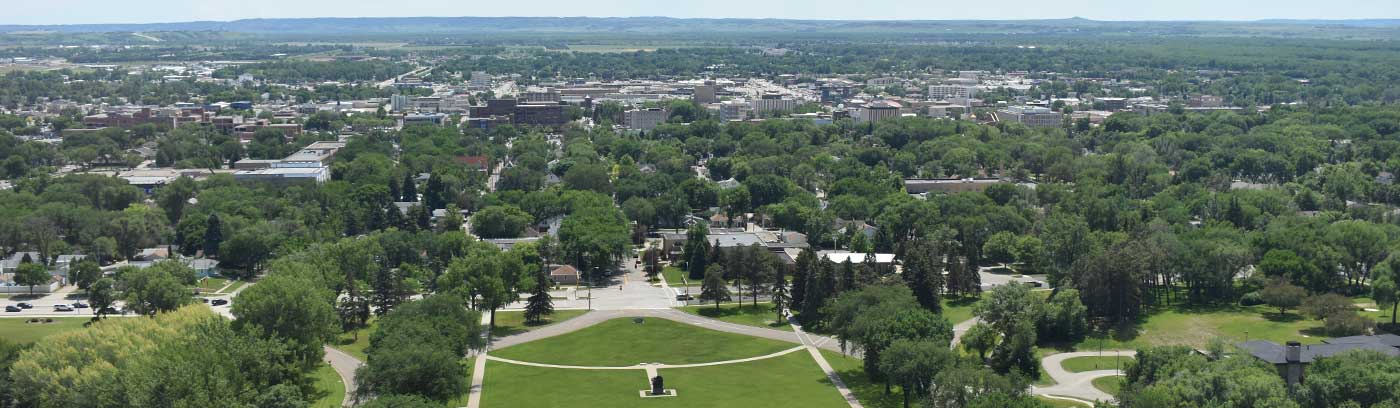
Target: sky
(153, 11)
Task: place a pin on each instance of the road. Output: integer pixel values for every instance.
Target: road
(1078, 386)
(344, 365)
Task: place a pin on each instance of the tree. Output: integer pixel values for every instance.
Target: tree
(980, 338)
(173, 197)
(101, 296)
(245, 254)
(1327, 304)
(913, 364)
(409, 189)
(1386, 291)
(696, 251)
(435, 195)
(781, 297)
(31, 274)
(500, 221)
(540, 304)
(714, 287)
(1282, 295)
(923, 273)
(85, 272)
(213, 235)
(151, 290)
(288, 308)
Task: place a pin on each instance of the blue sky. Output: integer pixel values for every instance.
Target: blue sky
(146, 11)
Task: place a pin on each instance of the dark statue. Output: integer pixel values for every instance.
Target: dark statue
(656, 386)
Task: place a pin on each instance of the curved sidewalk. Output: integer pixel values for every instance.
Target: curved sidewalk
(1078, 385)
(344, 365)
(645, 366)
(599, 316)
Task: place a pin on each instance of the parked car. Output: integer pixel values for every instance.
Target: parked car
(110, 310)
(218, 302)
(684, 297)
(80, 305)
(25, 306)
(12, 308)
(62, 308)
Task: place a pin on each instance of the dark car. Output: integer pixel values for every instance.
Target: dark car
(62, 308)
(684, 297)
(12, 308)
(80, 305)
(218, 302)
(110, 310)
(25, 306)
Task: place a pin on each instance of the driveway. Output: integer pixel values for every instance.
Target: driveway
(1077, 385)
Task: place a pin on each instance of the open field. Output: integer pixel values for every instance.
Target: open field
(1110, 384)
(1196, 327)
(791, 380)
(745, 314)
(621, 342)
(674, 275)
(354, 343)
(19, 330)
(871, 395)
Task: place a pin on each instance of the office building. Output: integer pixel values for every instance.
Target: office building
(1033, 116)
(879, 110)
(705, 94)
(645, 119)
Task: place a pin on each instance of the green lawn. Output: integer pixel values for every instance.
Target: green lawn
(1092, 363)
(1110, 384)
(1197, 326)
(673, 277)
(871, 395)
(792, 380)
(513, 322)
(234, 286)
(958, 310)
(621, 342)
(748, 315)
(19, 330)
(1059, 403)
(355, 343)
(212, 284)
(328, 386)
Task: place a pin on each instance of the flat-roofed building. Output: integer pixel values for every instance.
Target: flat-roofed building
(1033, 116)
(645, 119)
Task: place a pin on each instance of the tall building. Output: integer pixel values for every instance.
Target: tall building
(645, 119)
(880, 110)
(541, 95)
(1033, 116)
(705, 93)
(773, 103)
(398, 103)
(733, 110)
(950, 92)
(480, 79)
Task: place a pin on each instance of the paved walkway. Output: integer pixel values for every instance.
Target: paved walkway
(645, 366)
(961, 328)
(831, 374)
(1078, 386)
(345, 365)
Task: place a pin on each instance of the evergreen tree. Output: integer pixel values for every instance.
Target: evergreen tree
(806, 265)
(820, 287)
(847, 280)
(213, 235)
(419, 218)
(696, 251)
(394, 218)
(781, 297)
(395, 192)
(714, 287)
(410, 189)
(924, 275)
(539, 304)
(435, 195)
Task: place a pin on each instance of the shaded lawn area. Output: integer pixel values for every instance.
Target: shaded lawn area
(19, 330)
(1111, 384)
(745, 314)
(461, 400)
(621, 342)
(212, 284)
(1094, 363)
(1196, 326)
(513, 322)
(674, 275)
(791, 380)
(355, 343)
(234, 286)
(959, 309)
(870, 394)
(329, 389)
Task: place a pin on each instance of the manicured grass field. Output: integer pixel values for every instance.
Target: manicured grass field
(1092, 363)
(329, 386)
(234, 286)
(513, 322)
(746, 314)
(621, 342)
(211, 284)
(19, 330)
(1110, 385)
(791, 380)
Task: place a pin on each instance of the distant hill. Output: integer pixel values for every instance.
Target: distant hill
(409, 25)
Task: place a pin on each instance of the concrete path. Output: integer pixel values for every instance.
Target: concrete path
(961, 328)
(345, 365)
(478, 376)
(645, 366)
(1077, 385)
(831, 374)
(599, 316)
